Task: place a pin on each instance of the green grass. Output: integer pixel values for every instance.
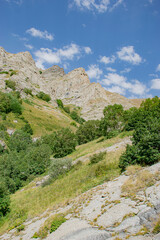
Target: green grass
(42, 117)
(92, 146)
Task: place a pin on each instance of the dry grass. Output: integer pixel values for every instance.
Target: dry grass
(138, 181)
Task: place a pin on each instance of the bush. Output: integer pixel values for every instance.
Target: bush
(62, 142)
(59, 167)
(60, 103)
(146, 145)
(38, 159)
(28, 91)
(27, 128)
(97, 157)
(89, 131)
(57, 222)
(19, 141)
(44, 96)
(74, 115)
(13, 73)
(11, 84)
(4, 198)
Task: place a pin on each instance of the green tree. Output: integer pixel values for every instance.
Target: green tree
(19, 141)
(89, 131)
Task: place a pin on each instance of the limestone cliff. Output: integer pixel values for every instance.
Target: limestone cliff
(73, 88)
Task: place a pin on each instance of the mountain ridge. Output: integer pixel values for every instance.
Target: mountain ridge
(72, 88)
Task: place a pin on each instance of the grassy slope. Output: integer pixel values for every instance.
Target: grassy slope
(42, 116)
(33, 201)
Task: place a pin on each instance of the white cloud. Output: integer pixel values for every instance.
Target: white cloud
(94, 71)
(28, 46)
(111, 69)
(87, 50)
(116, 89)
(158, 68)
(107, 60)
(120, 84)
(129, 55)
(18, 2)
(69, 52)
(126, 70)
(37, 33)
(116, 4)
(99, 6)
(155, 83)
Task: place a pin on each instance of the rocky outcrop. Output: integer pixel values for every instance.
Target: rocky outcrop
(73, 88)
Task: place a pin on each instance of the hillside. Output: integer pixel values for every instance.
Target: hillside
(114, 210)
(73, 88)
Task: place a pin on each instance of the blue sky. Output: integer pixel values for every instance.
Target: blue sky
(116, 41)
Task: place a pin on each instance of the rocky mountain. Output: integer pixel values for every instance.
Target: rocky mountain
(73, 88)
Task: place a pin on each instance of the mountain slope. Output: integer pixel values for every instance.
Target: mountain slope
(73, 88)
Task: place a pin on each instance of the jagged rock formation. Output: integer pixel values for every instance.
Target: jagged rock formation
(73, 88)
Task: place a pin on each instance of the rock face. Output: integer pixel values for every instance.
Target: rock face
(73, 88)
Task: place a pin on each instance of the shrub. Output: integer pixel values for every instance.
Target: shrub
(40, 72)
(4, 198)
(38, 159)
(67, 110)
(20, 228)
(59, 167)
(19, 141)
(57, 222)
(28, 91)
(97, 157)
(13, 73)
(146, 145)
(89, 131)
(4, 72)
(11, 84)
(27, 128)
(44, 96)
(74, 115)
(60, 103)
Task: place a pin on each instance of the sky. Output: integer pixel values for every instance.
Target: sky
(117, 42)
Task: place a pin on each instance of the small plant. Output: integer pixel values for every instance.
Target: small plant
(57, 222)
(11, 84)
(44, 96)
(73, 124)
(156, 228)
(28, 91)
(97, 157)
(35, 235)
(4, 72)
(40, 72)
(60, 103)
(20, 228)
(13, 73)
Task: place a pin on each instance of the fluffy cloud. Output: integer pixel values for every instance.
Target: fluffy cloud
(118, 83)
(37, 33)
(94, 71)
(109, 69)
(99, 6)
(28, 46)
(107, 60)
(129, 55)
(155, 84)
(69, 52)
(158, 68)
(126, 70)
(87, 50)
